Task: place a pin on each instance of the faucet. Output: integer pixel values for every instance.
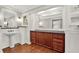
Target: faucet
(10, 30)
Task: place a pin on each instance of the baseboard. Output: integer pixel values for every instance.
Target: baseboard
(1, 51)
(17, 44)
(28, 42)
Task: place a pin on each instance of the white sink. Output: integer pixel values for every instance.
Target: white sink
(10, 33)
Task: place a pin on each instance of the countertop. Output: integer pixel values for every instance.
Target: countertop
(13, 27)
(50, 30)
(10, 28)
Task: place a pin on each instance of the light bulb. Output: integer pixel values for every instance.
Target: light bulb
(41, 23)
(5, 22)
(19, 20)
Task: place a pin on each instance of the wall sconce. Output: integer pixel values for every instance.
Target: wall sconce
(5, 24)
(41, 24)
(19, 21)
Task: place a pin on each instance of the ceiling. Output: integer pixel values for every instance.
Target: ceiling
(8, 14)
(20, 9)
(51, 11)
(24, 8)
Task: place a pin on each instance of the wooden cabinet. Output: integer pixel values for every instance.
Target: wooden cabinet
(58, 43)
(43, 38)
(50, 40)
(33, 37)
(39, 37)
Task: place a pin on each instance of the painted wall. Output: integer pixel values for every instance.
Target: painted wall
(12, 22)
(71, 32)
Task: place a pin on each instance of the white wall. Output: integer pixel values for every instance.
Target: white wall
(1, 17)
(33, 21)
(72, 41)
(71, 32)
(12, 22)
(24, 35)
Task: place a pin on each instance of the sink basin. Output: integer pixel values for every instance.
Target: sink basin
(10, 31)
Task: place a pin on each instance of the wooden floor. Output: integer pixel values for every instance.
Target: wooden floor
(33, 48)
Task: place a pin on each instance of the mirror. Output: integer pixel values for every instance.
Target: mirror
(51, 18)
(9, 19)
(25, 21)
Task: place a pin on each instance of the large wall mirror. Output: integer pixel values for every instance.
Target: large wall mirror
(52, 17)
(8, 18)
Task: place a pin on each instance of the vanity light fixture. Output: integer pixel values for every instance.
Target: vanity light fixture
(5, 24)
(19, 19)
(40, 23)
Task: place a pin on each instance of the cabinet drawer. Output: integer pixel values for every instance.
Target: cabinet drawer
(33, 38)
(58, 48)
(58, 40)
(33, 35)
(58, 44)
(60, 36)
(40, 34)
(33, 32)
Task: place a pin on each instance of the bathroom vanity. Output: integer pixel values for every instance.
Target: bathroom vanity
(54, 40)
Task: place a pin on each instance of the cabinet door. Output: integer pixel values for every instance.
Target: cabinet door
(40, 38)
(33, 37)
(58, 46)
(44, 39)
(48, 37)
(58, 42)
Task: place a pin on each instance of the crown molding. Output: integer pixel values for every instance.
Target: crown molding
(10, 8)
